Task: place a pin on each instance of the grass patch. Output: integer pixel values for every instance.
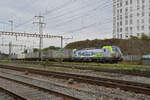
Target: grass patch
(88, 65)
(47, 67)
(109, 66)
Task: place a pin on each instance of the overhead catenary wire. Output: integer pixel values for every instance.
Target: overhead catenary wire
(47, 12)
(57, 8)
(88, 13)
(86, 27)
(77, 11)
(27, 21)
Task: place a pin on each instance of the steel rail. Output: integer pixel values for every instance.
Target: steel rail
(15, 96)
(64, 96)
(119, 71)
(112, 83)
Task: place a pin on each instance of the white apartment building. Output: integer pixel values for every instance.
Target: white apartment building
(131, 18)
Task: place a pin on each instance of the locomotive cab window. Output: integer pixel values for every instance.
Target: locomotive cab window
(104, 50)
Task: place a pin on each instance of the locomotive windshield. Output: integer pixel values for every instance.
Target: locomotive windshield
(116, 50)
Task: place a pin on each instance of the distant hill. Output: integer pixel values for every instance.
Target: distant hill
(132, 46)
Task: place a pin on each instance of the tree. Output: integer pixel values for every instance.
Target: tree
(35, 50)
(25, 51)
(134, 37)
(144, 37)
(51, 48)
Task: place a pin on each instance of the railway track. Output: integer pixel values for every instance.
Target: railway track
(29, 91)
(111, 83)
(8, 95)
(125, 72)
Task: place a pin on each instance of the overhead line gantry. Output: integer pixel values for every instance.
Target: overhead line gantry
(34, 35)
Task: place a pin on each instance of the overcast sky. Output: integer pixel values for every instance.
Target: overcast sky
(82, 19)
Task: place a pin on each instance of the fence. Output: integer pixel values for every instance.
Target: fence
(131, 57)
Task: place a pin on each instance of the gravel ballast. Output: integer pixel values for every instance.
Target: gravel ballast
(92, 92)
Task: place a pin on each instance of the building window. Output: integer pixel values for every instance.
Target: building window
(131, 15)
(127, 2)
(117, 5)
(130, 1)
(138, 14)
(143, 1)
(121, 36)
(143, 7)
(118, 35)
(131, 22)
(138, 1)
(126, 22)
(120, 4)
(120, 17)
(149, 27)
(143, 14)
(120, 29)
(126, 16)
(121, 23)
(131, 28)
(142, 20)
(131, 9)
(117, 29)
(138, 21)
(142, 27)
(126, 10)
(114, 31)
(118, 24)
(117, 17)
(138, 28)
(120, 10)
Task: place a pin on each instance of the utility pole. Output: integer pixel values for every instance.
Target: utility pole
(10, 48)
(11, 29)
(62, 39)
(11, 23)
(61, 42)
(40, 21)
